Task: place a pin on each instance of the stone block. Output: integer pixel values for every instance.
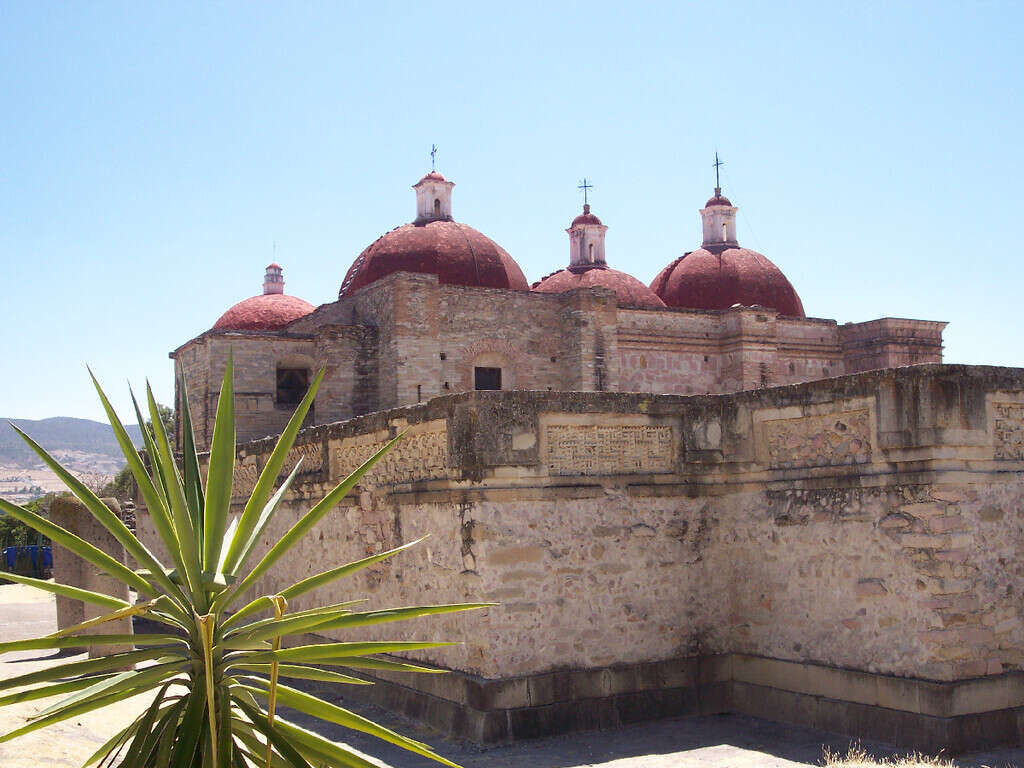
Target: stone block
(841, 684)
(69, 513)
(898, 693)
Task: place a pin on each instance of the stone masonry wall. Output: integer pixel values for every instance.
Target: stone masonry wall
(406, 339)
(698, 352)
(889, 342)
(871, 522)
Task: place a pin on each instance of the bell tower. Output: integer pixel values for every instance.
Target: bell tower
(586, 242)
(433, 198)
(273, 280)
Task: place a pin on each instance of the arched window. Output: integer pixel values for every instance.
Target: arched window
(724, 231)
(437, 207)
(590, 253)
(292, 384)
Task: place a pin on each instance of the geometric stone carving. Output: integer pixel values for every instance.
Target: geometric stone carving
(830, 439)
(1008, 431)
(419, 456)
(244, 479)
(594, 449)
(312, 459)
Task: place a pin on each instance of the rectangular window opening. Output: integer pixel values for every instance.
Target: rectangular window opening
(487, 378)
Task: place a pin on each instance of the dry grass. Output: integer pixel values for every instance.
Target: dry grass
(857, 757)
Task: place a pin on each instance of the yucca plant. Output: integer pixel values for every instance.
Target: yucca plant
(215, 670)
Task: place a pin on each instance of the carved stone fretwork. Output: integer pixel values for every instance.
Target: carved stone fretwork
(593, 449)
(244, 479)
(1008, 431)
(828, 439)
(418, 456)
(312, 456)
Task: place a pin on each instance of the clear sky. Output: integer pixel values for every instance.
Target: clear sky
(151, 155)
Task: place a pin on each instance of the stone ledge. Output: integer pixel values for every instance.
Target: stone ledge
(918, 714)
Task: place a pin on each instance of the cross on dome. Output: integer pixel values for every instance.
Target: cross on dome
(585, 186)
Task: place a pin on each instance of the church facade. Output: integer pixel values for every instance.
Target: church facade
(434, 307)
(684, 498)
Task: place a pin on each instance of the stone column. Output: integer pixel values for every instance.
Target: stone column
(68, 568)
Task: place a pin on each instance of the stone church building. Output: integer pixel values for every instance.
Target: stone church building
(434, 307)
(685, 498)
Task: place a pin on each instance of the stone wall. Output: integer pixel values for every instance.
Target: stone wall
(406, 339)
(889, 342)
(871, 522)
(257, 356)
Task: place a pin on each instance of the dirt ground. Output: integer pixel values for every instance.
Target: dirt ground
(722, 741)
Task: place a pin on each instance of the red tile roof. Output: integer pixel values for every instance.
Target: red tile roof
(456, 253)
(705, 280)
(718, 200)
(585, 218)
(266, 312)
(629, 291)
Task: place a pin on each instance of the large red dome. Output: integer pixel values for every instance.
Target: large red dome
(456, 253)
(702, 279)
(267, 312)
(629, 291)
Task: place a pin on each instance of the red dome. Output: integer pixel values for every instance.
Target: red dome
(629, 291)
(705, 280)
(585, 218)
(267, 312)
(456, 253)
(432, 176)
(718, 200)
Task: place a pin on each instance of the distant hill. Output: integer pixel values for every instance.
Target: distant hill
(62, 434)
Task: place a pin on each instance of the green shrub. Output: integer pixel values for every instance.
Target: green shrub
(215, 668)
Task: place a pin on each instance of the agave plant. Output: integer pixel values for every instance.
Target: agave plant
(215, 669)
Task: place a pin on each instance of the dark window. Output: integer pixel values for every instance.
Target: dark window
(292, 384)
(437, 207)
(487, 378)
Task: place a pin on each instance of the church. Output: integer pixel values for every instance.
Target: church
(684, 498)
(435, 307)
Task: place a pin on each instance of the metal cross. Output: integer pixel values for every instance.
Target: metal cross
(585, 186)
(433, 156)
(718, 164)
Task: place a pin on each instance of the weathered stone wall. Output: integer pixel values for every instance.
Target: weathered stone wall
(676, 352)
(68, 568)
(889, 342)
(871, 522)
(485, 327)
(257, 357)
(406, 339)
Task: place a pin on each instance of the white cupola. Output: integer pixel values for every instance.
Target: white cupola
(719, 222)
(433, 198)
(586, 242)
(273, 280)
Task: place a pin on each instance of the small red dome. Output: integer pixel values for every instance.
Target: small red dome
(629, 291)
(585, 218)
(267, 312)
(432, 176)
(705, 280)
(456, 253)
(718, 200)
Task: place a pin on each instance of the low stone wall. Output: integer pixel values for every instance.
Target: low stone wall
(68, 568)
(870, 523)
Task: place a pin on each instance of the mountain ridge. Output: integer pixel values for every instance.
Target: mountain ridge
(60, 433)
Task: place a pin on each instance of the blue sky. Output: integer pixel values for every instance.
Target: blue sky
(151, 155)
